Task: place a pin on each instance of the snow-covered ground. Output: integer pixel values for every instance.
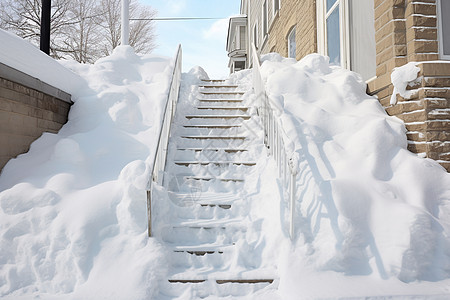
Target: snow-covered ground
(73, 209)
(372, 218)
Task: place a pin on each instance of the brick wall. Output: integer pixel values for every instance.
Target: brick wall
(25, 113)
(299, 13)
(406, 30)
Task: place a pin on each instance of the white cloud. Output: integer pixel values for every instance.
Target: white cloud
(217, 31)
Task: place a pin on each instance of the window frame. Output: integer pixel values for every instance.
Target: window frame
(344, 34)
(441, 32)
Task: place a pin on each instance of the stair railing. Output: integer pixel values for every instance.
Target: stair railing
(275, 139)
(159, 160)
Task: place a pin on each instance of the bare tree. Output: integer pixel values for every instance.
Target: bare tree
(23, 17)
(81, 39)
(141, 31)
(83, 30)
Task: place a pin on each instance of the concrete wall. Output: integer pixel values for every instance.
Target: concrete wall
(28, 107)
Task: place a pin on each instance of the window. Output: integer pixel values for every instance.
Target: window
(346, 34)
(362, 38)
(333, 31)
(265, 21)
(291, 44)
(242, 37)
(276, 6)
(444, 28)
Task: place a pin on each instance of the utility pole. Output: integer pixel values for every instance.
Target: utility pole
(125, 22)
(45, 26)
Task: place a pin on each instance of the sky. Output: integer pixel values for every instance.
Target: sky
(203, 41)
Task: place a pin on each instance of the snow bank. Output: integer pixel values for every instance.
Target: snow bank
(73, 209)
(24, 56)
(401, 77)
(367, 207)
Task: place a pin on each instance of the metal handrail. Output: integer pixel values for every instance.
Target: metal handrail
(276, 140)
(159, 160)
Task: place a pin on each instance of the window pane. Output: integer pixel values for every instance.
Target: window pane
(333, 38)
(445, 18)
(291, 44)
(362, 38)
(330, 4)
(276, 5)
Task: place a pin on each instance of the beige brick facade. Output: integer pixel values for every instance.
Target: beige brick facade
(303, 17)
(26, 113)
(405, 31)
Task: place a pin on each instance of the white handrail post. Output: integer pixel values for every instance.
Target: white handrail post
(125, 37)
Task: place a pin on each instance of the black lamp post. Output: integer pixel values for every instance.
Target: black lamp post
(45, 26)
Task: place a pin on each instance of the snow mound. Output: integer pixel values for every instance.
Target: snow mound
(25, 57)
(73, 209)
(366, 205)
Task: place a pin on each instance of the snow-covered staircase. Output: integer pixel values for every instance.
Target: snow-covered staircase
(210, 156)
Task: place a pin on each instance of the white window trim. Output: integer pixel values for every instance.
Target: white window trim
(440, 32)
(344, 33)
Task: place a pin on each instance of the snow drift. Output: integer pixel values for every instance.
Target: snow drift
(366, 205)
(73, 209)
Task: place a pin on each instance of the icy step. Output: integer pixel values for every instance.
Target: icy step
(218, 86)
(222, 281)
(203, 249)
(229, 150)
(243, 108)
(258, 275)
(213, 80)
(220, 100)
(213, 178)
(212, 126)
(204, 163)
(222, 93)
(211, 137)
(220, 197)
(246, 117)
(207, 289)
(203, 263)
(202, 234)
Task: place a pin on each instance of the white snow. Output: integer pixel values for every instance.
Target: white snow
(73, 209)
(401, 77)
(25, 57)
(372, 218)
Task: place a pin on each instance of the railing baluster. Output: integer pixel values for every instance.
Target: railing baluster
(274, 141)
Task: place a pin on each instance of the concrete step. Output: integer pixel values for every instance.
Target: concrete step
(205, 163)
(213, 178)
(245, 117)
(223, 93)
(220, 100)
(213, 80)
(243, 108)
(218, 86)
(228, 150)
(212, 126)
(208, 137)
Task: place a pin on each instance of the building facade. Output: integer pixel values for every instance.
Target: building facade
(370, 37)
